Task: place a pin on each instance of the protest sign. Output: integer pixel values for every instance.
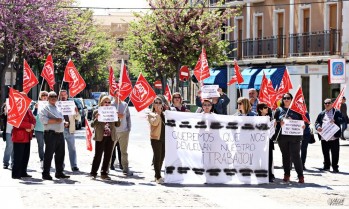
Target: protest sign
(210, 148)
(292, 127)
(328, 130)
(66, 107)
(209, 91)
(107, 114)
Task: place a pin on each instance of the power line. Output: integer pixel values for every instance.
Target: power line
(172, 8)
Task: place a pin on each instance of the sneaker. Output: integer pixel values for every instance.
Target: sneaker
(159, 180)
(286, 178)
(75, 169)
(301, 179)
(105, 177)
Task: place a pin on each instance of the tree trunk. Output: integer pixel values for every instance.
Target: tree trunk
(177, 76)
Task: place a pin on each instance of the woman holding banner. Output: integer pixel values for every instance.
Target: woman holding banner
(264, 110)
(245, 108)
(290, 145)
(157, 137)
(105, 136)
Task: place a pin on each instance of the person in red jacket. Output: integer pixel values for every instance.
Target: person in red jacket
(21, 138)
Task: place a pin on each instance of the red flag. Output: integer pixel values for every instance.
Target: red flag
(298, 104)
(18, 106)
(238, 75)
(337, 103)
(263, 92)
(125, 84)
(29, 78)
(272, 94)
(201, 70)
(167, 93)
(72, 76)
(113, 86)
(284, 87)
(88, 136)
(142, 94)
(232, 80)
(48, 72)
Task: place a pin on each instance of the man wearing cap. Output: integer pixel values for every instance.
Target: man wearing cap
(53, 122)
(343, 110)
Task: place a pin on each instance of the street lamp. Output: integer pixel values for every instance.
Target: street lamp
(12, 64)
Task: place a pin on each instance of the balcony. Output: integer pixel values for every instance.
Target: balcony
(258, 48)
(315, 43)
(230, 2)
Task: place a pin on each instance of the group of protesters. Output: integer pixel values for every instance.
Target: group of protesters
(52, 129)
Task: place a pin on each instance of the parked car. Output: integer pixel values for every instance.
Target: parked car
(91, 105)
(82, 110)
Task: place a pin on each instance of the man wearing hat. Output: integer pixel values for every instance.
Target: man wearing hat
(343, 110)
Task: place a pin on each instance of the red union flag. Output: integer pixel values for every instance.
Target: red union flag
(337, 103)
(263, 93)
(238, 75)
(48, 72)
(298, 104)
(284, 87)
(88, 136)
(232, 80)
(18, 106)
(142, 94)
(113, 86)
(167, 93)
(201, 70)
(29, 78)
(272, 94)
(125, 84)
(72, 76)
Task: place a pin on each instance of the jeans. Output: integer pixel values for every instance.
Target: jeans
(344, 127)
(8, 153)
(159, 155)
(70, 139)
(290, 147)
(122, 138)
(304, 148)
(40, 138)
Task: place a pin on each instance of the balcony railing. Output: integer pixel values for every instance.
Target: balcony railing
(226, 1)
(315, 43)
(258, 48)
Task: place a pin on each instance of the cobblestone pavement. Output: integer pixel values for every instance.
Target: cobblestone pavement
(321, 190)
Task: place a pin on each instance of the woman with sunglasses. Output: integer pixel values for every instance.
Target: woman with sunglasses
(157, 137)
(264, 110)
(39, 128)
(105, 136)
(244, 107)
(290, 145)
(177, 103)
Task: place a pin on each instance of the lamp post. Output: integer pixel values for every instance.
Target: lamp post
(12, 66)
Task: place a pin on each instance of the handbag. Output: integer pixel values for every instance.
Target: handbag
(312, 137)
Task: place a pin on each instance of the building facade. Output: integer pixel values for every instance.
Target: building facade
(299, 35)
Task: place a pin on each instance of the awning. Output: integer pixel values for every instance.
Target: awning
(274, 74)
(218, 76)
(249, 76)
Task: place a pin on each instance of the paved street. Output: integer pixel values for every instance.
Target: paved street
(320, 190)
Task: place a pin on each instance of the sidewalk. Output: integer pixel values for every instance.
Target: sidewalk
(320, 190)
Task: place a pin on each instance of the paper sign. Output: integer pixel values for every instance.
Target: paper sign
(66, 107)
(209, 91)
(328, 131)
(292, 127)
(107, 114)
(41, 105)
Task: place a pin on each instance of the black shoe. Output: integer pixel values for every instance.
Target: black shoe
(47, 177)
(335, 170)
(16, 177)
(112, 167)
(62, 176)
(27, 176)
(5, 167)
(325, 169)
(75, 169)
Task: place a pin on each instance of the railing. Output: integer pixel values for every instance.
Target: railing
(258, 48)
(315, 43)
(226, 1)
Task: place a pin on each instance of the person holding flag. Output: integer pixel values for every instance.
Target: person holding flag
(330, 115)
(21, 137)
(290, 145)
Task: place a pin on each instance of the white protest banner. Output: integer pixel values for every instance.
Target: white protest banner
(41, 105)
(292, 127)
(107, 114)
(66, 107)
(272, 128)
(328, 130)
(209, 91)
(210, 148)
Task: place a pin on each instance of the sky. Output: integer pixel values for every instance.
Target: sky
(113, 4)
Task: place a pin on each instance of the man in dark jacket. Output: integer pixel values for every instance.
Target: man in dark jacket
(330, 115)
(220, 104)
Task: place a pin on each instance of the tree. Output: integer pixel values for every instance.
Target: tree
(166, 38)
